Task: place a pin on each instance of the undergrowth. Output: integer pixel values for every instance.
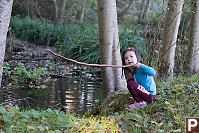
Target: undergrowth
(176, 99)
(78, 41)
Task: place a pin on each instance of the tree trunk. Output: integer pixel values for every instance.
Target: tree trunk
(167, 51)
(123, 12)
(83, 5)
(46, 11)
(109, 45)
(120, 81)
(105, 20)
(143, 10)
(60, 6)
(28, 7)
(193, 53)
(5, 15)
(31, 9)
(37, 9)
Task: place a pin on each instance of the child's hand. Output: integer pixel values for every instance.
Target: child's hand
(138, 65)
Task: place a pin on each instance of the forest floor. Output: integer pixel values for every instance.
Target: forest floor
(176, 100)
(34, 56)
(16, 75)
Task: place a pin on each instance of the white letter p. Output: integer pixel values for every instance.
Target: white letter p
(192, 125)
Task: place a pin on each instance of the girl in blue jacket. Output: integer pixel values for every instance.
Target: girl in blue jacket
(140, 84)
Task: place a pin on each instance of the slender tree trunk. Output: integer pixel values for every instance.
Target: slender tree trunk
(109, 45)
(105, 20)
(143, 10)
(31, 9)
(5, 15)
(28, 7)
(193, 53)
(123, 12)
(60, 6)
(37, 9)
(83, 5)
(146, 8)
(167, 51)
(120, 81)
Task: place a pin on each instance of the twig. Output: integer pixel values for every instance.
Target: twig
(82, 63)
(58, 76)
(31, 59)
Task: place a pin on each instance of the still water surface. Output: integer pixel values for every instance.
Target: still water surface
(76, 93)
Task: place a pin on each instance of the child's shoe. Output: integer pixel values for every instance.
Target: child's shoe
(142, 104)
(134, 106)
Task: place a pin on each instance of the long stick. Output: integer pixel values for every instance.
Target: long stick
(82, 63)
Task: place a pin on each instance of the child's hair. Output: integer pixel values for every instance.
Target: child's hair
(139, 59)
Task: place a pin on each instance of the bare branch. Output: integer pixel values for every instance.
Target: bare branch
(83, 63)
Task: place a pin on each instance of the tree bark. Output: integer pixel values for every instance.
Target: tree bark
(30, 9)
(37, 9)
(105, 42)
(143, 10)
(120, 81)
(60, 6)
(5, 15)
(83, 5)
(193, 53)
(167, 51)
(123, 12)
(109, 45)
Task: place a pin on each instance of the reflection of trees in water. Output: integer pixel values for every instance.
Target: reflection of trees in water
(64, 94)
(52, 95)
(78, 91)
(77, 95)
(7, 97)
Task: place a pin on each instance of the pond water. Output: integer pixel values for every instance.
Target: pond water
(79, 91)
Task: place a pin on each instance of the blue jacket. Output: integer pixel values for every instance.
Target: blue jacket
(144, 77)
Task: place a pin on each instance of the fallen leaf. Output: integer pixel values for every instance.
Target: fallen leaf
(30, 127)
(121, 123)
(154, 122)
(43, 86)
(40, 128)
(138, 125)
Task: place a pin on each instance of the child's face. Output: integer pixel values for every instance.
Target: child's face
(130, 58)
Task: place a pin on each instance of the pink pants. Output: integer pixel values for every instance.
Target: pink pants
(138, 92)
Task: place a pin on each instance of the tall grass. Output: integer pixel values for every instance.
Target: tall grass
(78, 41)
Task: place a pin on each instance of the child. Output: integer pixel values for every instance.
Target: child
(141, 84)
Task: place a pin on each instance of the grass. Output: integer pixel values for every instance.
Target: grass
(78, 41)
(15, 120)
(12, 119)
(176, 99)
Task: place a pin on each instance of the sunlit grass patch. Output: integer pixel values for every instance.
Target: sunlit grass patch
(94, 124)
(12, 119)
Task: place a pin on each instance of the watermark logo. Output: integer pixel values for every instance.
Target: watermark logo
(192, 125)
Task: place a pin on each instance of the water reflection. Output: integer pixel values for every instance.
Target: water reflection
(78, 92)
(76, 95)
